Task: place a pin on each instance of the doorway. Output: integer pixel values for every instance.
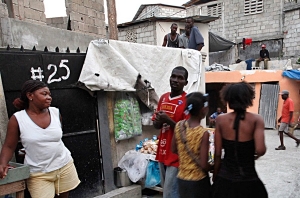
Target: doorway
(268, 104)
(213, 89)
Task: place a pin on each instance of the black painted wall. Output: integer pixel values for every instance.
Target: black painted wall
(77, 107)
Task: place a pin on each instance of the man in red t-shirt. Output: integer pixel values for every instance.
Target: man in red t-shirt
(286, 119)
(170, 110)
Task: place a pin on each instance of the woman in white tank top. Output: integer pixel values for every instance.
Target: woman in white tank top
(38, 126)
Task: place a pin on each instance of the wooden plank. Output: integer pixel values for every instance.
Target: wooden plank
(107, 163)
(20, 194)
(110, 111)
(12, 187)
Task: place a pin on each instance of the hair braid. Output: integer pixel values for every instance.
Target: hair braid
(29, 86)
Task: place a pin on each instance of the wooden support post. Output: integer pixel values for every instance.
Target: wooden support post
(112, 19)
(108, 169)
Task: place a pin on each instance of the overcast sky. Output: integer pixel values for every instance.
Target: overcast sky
(126, 9)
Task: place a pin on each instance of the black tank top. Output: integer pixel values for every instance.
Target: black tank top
(173, 43)
(238, 163)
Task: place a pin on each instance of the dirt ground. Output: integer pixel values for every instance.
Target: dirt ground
(278, 170)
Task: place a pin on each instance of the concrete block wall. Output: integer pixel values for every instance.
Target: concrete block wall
(172, 12)
(144, 33)
(58, 22)
(291, 41)
(161, 11)
(16, 33)
(29, 10)
(87, 16)
(234, 25)
(149, 11)
(3, 10)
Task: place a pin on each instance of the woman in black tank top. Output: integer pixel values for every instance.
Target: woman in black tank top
(241, 134)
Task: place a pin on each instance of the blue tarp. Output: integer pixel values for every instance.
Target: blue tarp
(293, 74)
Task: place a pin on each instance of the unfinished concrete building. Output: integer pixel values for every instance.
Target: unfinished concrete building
(23, 22)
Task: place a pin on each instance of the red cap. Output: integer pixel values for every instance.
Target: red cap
(263, 46)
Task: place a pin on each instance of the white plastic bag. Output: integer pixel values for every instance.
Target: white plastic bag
(135, 163)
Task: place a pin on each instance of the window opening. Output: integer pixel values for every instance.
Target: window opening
(253, 7)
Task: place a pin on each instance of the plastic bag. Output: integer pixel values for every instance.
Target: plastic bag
(211, 151)
(127, 117)
(135, 163)
(153, 174)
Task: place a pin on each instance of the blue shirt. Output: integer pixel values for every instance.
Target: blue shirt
(215, 115)
(196, 38)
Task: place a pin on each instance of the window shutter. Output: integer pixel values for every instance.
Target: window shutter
(253, 7)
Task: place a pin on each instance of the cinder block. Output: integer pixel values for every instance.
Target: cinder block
(73, 7)
(81, 9)
(77, 26)
(102, 16)
(43, 17)
(37, 5)
(58, 20)
(77, 17)
(88, 4)
(145, 39)
(3, 10)
(32, 14)
(26, 3)
(21, 10)
(97, 6)
(91, 13)
(98, 22)
(35, 22)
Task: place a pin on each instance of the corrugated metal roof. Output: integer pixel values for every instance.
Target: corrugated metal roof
(196, 2)
(197, 19)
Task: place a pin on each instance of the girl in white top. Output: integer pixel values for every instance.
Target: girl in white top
(38, 126)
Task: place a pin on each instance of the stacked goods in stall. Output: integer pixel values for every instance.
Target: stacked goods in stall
(148, 146)
(127, 117)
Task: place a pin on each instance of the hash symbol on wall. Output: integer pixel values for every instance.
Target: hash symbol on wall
(37, 71)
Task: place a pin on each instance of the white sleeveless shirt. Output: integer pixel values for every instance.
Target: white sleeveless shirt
(45, 151)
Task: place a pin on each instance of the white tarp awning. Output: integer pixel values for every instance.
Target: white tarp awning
(115, 65)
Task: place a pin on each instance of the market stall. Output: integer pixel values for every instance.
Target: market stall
(129, 78)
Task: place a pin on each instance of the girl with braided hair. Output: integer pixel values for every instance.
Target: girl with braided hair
(241, 134)
(191, 143)
(38, 126)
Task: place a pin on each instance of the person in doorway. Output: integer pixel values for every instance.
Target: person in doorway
(38, 126)
(263, 56)
(172, 39)
(196, 40)
(170, 110)
(184, 38)
(286, 119)
(212, 118)
(191, 142)
(241, 134)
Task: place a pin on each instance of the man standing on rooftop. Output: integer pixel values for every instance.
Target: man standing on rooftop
(196, 40)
